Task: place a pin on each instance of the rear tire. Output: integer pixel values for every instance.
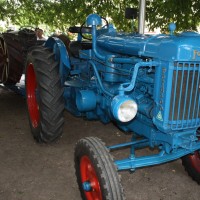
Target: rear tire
(11, 62)
(44, 95)
(96, 173)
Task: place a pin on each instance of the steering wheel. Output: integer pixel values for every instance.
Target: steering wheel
(27, 30)
(82, 28)
(106, 25)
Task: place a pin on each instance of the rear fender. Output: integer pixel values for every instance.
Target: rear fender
(61, 55)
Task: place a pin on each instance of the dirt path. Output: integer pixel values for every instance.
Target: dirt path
(29, 171)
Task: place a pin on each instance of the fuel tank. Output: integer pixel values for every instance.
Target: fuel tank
(184, 46)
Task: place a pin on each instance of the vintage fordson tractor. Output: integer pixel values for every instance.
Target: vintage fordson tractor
(147, 85)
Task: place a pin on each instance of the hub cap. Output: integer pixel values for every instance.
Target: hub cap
(89, 179)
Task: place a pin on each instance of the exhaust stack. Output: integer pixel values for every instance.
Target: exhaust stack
(142, 11)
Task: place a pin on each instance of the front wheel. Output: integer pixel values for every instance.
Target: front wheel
(44, 95)
(96, 173)
(191, 163)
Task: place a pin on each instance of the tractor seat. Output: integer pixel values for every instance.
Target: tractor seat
(76, 46)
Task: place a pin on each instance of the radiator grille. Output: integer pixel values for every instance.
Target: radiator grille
(185, 100)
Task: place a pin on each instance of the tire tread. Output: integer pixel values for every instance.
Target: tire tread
(51, 102)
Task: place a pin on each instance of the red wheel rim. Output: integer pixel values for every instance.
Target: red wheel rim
(31, 86)
(195, 158)
(88, 174)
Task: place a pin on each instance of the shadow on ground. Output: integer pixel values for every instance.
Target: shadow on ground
(29, 171)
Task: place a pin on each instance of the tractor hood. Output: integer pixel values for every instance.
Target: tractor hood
(182, 47)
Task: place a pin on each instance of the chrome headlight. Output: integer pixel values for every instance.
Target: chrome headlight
(124, 108)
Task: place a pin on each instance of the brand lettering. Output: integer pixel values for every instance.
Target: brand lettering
(195, 54)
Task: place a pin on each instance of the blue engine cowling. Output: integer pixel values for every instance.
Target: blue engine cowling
(183, 47)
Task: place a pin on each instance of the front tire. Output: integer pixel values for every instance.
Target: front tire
(96, 173)
(191, 163)
(44, 95)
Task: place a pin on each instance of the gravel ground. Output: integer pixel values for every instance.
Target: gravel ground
(30, 171)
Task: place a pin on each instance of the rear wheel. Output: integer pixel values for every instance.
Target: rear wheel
(4, 61)
(96, 173)
(192, 165)
(44, 95)
(11, 62)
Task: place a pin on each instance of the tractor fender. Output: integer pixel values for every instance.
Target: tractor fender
(61, 55)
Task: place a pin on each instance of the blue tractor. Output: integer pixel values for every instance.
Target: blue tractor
(147, 85)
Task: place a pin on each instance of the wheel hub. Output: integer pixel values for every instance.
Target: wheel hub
(87, 186)
(90, 182)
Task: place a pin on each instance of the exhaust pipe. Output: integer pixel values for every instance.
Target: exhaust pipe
(142, 11)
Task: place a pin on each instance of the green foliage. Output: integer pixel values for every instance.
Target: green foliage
(63, 13)
(185, 13)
